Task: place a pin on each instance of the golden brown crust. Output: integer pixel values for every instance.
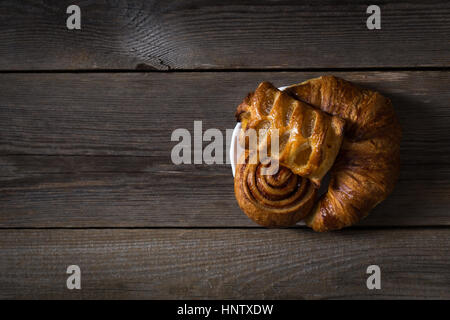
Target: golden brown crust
(309, 139)
(367, 166)
(277, 200)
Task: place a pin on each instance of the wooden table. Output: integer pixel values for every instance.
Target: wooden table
(86, 176)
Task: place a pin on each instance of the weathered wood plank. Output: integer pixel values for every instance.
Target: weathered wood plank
(135, 114)
(199, 34)
(225, 263)
(69, 191)
(96, 153)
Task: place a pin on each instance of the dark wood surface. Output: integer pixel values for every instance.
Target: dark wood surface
(85, 170)
(207, 34)
(79, 150)
(227, 263)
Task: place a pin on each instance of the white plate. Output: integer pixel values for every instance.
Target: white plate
(235, 151)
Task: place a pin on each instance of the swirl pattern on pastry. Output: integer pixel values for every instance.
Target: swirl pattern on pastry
(279, 199)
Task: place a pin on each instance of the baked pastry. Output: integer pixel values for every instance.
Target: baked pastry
(367, 166)
(309, 139)
(362, 175)
(280, 199)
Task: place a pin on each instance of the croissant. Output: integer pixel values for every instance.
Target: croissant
(367, 166)
(362, 175)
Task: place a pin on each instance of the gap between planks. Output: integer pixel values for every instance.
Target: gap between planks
(361, 69)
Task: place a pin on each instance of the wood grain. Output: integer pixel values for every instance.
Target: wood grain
(200, 34)
(93, 150)
(78, 191)
(224, 264)
(134, 114)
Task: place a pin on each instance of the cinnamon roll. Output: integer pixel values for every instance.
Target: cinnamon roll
(281, 198)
